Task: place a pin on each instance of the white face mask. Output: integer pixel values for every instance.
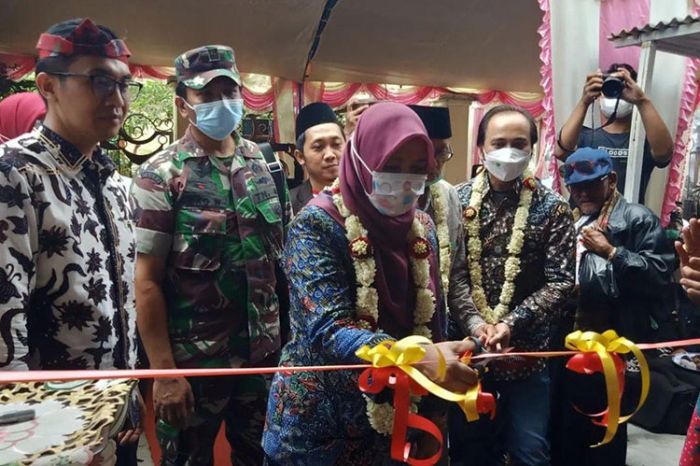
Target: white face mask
(506, 163)
(393, 194)
(607, 107)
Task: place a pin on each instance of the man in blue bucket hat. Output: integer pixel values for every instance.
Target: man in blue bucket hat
(623, 270)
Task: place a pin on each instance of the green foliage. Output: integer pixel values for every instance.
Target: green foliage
(8, 86)
(155, 101)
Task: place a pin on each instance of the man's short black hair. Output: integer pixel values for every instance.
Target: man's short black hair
(61, 63)
(616, 66)
(481, 133)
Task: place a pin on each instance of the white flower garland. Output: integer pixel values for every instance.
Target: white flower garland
(443, 236)
(515, 246)
(381, 415)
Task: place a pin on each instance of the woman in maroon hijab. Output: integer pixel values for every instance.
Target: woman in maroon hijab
(18, 114)
(362, 268)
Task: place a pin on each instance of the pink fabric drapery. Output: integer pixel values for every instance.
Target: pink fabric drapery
(337, 96)
(258, 102)
(534, 107)
(689, 104)
(674, 183)
(407, 97)
(548, 133)
(616, 15)
(334, 95)
(154, 72)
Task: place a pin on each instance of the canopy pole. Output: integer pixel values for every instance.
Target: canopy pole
(635, 153)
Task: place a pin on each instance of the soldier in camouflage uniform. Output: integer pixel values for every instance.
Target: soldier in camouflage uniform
(209, 226)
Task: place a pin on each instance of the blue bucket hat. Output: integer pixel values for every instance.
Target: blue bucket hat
(586, 164)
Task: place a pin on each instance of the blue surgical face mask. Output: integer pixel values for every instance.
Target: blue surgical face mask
(218, 119)
(393, 194)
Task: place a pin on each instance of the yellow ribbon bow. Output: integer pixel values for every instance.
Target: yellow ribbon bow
(409, 351)
(603, 345)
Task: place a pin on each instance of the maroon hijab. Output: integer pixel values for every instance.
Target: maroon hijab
(382, 129)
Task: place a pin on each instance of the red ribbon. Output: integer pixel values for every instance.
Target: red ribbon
(590, 363)
(486, 403)
(374, 380)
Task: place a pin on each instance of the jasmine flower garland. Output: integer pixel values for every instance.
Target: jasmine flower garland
(515, 247)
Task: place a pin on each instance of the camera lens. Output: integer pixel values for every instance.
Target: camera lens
(612, 87)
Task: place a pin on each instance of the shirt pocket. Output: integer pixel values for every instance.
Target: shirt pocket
(263, 194)
(199, 238)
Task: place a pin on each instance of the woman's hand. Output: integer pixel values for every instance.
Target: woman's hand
(459, 377)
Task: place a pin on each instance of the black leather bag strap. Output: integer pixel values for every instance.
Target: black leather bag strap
(276, 170)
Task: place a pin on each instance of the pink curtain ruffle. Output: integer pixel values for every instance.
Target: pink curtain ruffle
(674, 183)
(339, 96)
(548, 134)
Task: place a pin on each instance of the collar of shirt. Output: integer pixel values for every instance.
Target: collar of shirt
(69, 155)
(499, 196)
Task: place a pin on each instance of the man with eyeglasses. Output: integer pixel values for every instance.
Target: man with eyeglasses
(437, 122)
(209, 229)
(67, 246)
(441, 201)
(624, 264)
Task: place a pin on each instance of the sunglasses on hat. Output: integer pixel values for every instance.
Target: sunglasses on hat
(585, 167)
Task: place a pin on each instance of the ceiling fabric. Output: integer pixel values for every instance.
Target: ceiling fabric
(270, 37)
(481, 44)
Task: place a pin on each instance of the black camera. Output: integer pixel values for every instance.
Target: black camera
(612, 86)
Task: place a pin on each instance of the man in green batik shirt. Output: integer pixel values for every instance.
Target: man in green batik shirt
(209, 228)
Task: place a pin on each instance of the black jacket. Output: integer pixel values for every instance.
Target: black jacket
(629, 294)
(300, 196)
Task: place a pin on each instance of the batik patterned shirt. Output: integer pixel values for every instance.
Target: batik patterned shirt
(219, 224)
(546, 269)
(67, 254)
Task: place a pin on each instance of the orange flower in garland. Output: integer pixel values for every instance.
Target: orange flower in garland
(361, 248)
(420, 248)
(469, 213)
(530, 183)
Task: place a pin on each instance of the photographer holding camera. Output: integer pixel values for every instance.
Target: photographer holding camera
(618, 93)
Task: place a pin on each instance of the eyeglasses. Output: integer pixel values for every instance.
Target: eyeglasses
(582, 166)
(104, 86)
(445, 154)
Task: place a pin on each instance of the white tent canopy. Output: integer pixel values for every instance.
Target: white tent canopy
(486, 44)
